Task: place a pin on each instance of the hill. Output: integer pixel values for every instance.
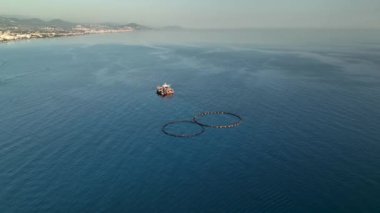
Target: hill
(32, 24)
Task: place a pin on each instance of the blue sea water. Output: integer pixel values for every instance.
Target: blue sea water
(80, 123)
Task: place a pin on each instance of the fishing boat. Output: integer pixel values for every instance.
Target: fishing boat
(165, 90)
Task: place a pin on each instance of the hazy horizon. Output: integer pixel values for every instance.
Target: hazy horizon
(206, 14)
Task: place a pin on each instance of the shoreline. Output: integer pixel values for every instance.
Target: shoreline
(14, 37)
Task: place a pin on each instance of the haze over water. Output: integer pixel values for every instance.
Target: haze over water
(80, 123)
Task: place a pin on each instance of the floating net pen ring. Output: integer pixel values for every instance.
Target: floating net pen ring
(231, 125)
(163, 129)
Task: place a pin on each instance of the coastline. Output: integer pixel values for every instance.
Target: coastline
(14, 37)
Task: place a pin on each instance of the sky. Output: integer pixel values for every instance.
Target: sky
(206, 13)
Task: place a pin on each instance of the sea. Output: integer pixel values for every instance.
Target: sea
(81, 124)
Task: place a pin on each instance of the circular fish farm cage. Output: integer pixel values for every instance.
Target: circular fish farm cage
(165, 129)
(237, 120)
(197, 121)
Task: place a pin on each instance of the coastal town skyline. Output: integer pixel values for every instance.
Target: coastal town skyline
(206, 14)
